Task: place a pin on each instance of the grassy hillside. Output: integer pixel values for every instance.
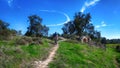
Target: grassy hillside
(76, 55)
(70, 54)
(21, 56)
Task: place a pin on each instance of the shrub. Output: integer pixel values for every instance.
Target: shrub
(24, 41)
(72, 41)
(18, 50)
(27, 39)
(21, 42)
(118, 59)
(37, 40)
(118, 48)
(73, 37)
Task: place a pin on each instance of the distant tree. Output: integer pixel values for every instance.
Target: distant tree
(13, 31)
(19, 32)
(79, 23)
(103, 40)
(5, 32)
(97, 36)
(65, 28)
(3, 25)
(113, 41)
(81, 26)
(89, 30)
(45, 30)
(36, 28)
(68, 28)
(71, 28)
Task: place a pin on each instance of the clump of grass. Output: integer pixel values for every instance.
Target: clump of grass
(72, 41)
(23, 40)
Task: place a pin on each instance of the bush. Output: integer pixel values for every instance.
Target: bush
(118, 48)
(5, 35)
(24, 41)
(37, 40)
(73, 37)
(21, 42)
(28, 41)
(118, 59)
(72, 41)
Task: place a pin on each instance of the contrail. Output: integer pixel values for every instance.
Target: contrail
(54, 11)
(87, 4)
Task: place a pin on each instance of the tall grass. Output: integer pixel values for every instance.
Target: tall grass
(22, 56)
(76, 55)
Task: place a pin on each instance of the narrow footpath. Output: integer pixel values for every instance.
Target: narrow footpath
(44, 64)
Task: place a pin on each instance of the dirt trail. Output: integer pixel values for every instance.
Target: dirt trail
(44, 64)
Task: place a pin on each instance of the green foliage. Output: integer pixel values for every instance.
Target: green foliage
(36, 29)
(3, 25)
(12, 56)
(77, 55)
(81, 26)
(103, 40)
(68, 36)
(81, 21)
(113, 41)
(5, 32)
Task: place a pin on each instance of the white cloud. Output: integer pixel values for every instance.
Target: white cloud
(87, 4)
(91, 3)
(54, 11)
(97, 26)
(10, 3)
(83, 9)
(103, 24)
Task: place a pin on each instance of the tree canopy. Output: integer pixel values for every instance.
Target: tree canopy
(36, 28)
(81, 26)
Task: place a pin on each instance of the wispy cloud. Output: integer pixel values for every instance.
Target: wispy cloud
(54, 11)
(10, 3)
(87, 4)
(103, 24)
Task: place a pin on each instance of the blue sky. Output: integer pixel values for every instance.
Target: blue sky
(105, 14)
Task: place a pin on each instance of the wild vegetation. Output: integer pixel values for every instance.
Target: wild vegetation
(14, 55)
(77, 55)
(113, 41)
(5, 32)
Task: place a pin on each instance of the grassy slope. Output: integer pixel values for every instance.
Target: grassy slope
(72, 55)
(12, 56)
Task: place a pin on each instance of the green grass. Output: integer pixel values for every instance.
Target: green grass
(22, 56)
(76, 55)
